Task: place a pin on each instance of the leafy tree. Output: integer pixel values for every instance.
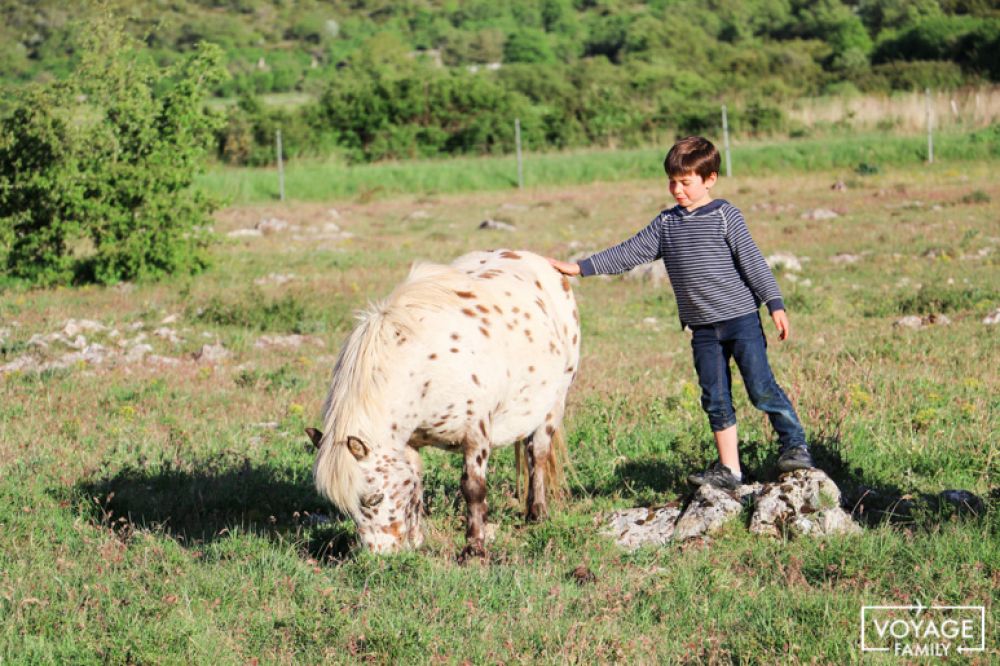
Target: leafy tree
(104, 158)
(528, 45)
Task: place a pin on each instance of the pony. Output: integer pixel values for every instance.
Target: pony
(465, 357)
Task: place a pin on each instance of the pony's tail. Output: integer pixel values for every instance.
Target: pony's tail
(554, 470)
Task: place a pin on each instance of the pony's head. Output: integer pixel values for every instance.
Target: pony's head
(378, 487)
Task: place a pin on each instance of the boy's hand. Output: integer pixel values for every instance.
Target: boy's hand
(781, 323)
(564, 267)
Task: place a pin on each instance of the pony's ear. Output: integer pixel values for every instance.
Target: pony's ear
(357, 448)
(315, 436)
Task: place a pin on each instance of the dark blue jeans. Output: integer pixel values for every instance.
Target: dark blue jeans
(741, 339)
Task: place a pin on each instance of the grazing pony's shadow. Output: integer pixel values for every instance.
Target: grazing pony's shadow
(208, 500)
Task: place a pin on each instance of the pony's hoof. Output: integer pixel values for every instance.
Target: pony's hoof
(472, 551)
(537, 514)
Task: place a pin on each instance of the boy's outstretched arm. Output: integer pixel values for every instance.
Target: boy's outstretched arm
(780, 318)
(565, 267)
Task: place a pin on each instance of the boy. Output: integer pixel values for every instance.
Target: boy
(719, 278)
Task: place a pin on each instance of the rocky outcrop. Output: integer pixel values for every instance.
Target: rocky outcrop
(801, 503)
(804, 502)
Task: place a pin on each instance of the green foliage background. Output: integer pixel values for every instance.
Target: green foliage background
(96, 169)
(386, 80)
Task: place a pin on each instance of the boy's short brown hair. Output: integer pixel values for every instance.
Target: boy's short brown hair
(694, 154)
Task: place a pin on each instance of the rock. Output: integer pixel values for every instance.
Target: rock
(211, 353)
(496, 225)
(275, 278)
(24, 363)
(287, 341)
(963, 501)
(245, 233)
(137, 353)
(845, 258)
(915, 321)
(820, 214)
(78, 343)
(839, 186)
(417, 215)
(170, 319)
(992, 318)
(803, 502)
(632, 528)
(75, 327)
(273, 225)
(654, 273)
(651, 321)
(788, 262)
(334, 213)
(909, 321)
(166, 361)
(167, 334)
(708, 511)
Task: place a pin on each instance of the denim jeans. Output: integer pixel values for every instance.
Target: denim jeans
(741, 339)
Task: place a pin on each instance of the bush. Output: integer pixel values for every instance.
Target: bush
(97, 170)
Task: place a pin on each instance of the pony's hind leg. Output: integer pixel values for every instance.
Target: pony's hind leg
(477, 454)
(538, 450)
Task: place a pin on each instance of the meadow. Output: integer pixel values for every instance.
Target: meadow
(843, 148)
(161, 510)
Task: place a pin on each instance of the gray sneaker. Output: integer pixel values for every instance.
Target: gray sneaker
(795, 457)
(717, 475)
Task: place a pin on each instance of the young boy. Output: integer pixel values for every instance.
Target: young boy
(719, 278)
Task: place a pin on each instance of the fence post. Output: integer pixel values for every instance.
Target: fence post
(725, 139)
(281, 167)
(517, 140)
(930, 127)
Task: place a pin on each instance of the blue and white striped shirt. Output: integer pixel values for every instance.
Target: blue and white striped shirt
(716, 270)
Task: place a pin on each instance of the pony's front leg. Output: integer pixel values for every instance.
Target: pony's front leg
(477, 454)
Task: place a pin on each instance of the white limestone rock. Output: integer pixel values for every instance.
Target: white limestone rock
(803, 502)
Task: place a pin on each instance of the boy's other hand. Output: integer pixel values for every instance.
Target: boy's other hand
(781, 323)
(564, 267)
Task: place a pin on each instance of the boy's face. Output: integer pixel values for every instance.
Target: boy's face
(691, 190)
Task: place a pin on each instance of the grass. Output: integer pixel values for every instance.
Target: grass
(165, 514)
(324, 180)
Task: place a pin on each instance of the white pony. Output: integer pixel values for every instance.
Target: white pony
(465, 357)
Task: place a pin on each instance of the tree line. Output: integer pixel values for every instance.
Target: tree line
(387, 79)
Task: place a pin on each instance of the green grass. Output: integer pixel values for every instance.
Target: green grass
(317, 180)
(166, 514)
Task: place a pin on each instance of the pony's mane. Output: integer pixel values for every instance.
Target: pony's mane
(356, 402)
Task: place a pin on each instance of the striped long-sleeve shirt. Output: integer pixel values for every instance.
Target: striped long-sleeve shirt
(716, 270)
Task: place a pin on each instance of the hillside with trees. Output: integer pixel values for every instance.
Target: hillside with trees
(381, 79)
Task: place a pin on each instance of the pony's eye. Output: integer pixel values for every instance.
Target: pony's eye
(372, 500)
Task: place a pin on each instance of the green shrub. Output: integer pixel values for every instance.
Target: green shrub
(254, 312)
(97, 170)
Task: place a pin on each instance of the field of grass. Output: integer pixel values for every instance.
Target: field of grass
(308, 180)
(163, 511)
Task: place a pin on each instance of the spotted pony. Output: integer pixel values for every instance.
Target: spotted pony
(465, 357)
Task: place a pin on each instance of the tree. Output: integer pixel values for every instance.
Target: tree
(107, 158)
